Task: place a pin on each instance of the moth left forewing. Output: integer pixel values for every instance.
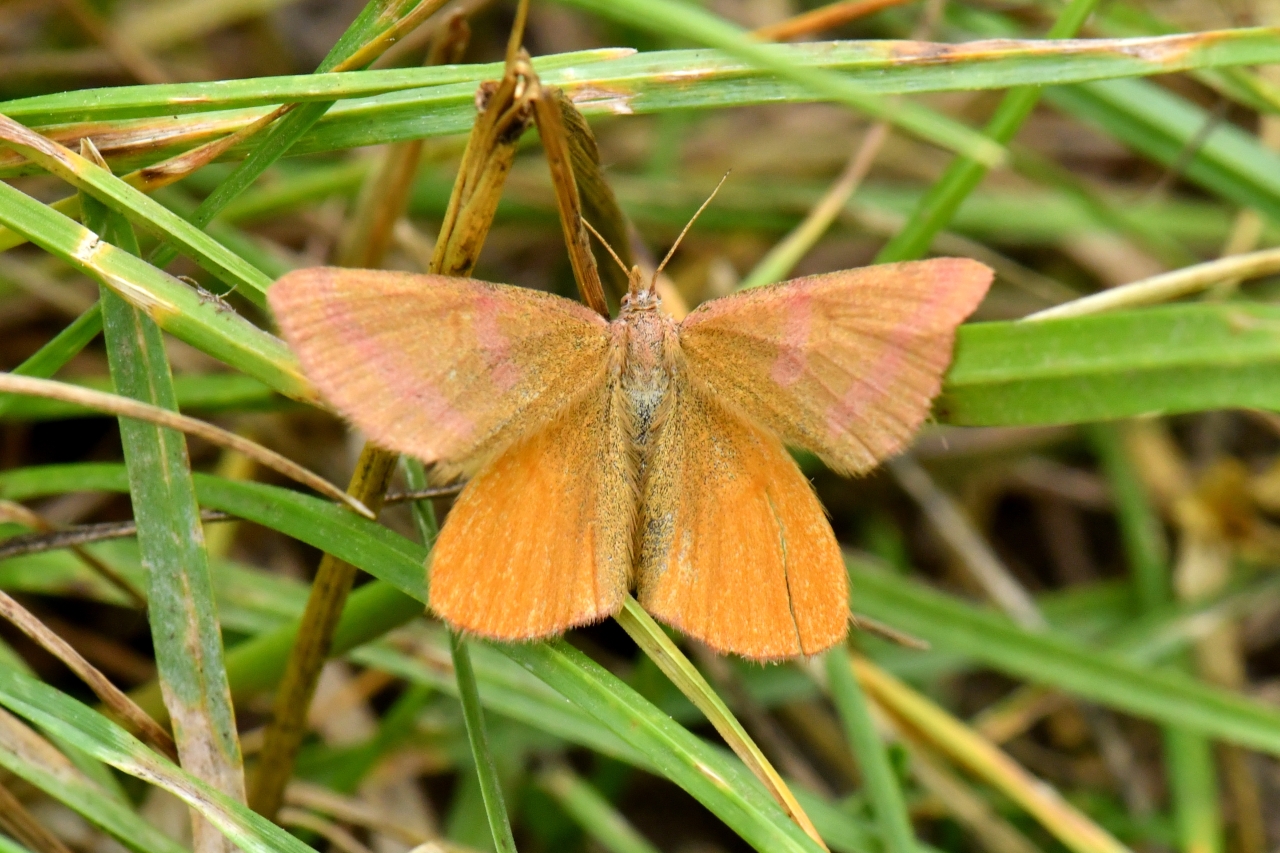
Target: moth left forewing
(448, 370)
(844, 364)
(735, 548)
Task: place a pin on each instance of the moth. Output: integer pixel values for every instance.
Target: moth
(640, 453)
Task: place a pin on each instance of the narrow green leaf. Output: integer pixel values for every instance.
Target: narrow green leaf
(175, 99)
(723, 786)
(184, 623)
(963, 175)
(210, 392)
(36, 761)
(50, 358)
(948, 623)
(1167, 128)
(1166, 359)
(878, 778)
(645, 81)
(1194, 791)
(1057, 660)
(88, 177)
(174, 306)
(8, 845)
(376, 17)
(1189, 762)
(593, 812)
(1140, 526)
(495, 807)
(95, 734)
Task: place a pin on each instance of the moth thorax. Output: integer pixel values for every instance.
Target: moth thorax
(645, 378)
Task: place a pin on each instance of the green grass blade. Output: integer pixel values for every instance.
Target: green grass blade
(397, 560)
(279, 138)
(1189, 763)
(659, 648)
(590, 810)
(1194, 794)
(202, 392)
(946, 622)
(174, 306)
(1058, 660)
(8, 845)
(682, 80)
(1176, 358)
(645, 82)
(106, 741)
(1161, 125)
(879, 780)
(724, 787)
(1140, 525)
(1061, 371)
(50, 358)
(184, 623)
(504, 687)
(495, 807)
(376, 17)
(174, 99)
(964, 174)
(88, 177)
(36, 761)
(61, 348)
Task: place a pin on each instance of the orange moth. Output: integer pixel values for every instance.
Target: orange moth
(640, 453)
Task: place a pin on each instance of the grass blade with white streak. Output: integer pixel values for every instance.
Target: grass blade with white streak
(174, 306)
(36, 761)
(95, 734)
(184, 624)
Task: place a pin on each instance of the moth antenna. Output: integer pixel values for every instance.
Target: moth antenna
(605, 243)
(517, 30)
(692, 220)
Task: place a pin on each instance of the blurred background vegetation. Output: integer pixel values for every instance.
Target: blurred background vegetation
(1085, 535)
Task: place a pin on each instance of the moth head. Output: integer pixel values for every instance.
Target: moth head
(641, 295)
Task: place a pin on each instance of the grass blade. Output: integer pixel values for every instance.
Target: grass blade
(944, 197)
(592, 811)
(36, 761)
(98, 181)
(1050, 657)
(643, 81)
(1053, 658)
(378, 17)
(655, 643)
(1068, 825)
(1158, 124)
(60, 349)
(1114, 365)
(174, 306)
(494, 805)
(468, 693)
(1189, 762)
(184, 624)
(136, 410)
(95, 734)
(879, 780)
(728, 791)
